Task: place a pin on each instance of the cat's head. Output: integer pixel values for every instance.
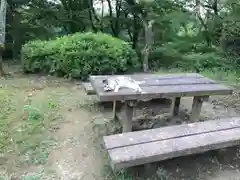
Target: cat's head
(107, 86)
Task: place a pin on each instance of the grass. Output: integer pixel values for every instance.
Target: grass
(26, 119)
(159, 174)
(42, 174)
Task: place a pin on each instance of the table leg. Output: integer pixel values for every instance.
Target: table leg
(127, 121)
(196, 108)
(114, 110)
(175, 106)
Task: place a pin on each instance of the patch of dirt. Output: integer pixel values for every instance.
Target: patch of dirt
(76, 158)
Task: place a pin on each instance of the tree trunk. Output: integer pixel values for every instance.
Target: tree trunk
(148, 44)
(136, 29)
(3, 10)
(2, 73)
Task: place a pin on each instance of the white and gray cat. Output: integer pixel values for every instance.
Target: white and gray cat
(118, 82)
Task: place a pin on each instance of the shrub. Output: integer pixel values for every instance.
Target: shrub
(202, 61)
(230, 39)
(79, 55)
(164, 57)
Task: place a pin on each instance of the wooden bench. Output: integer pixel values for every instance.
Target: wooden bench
(88, 88)
(142, 147)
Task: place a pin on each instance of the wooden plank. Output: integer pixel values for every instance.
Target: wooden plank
(89, 89)
(170, 132)
(160, 150)
(196, 108)
(154, 92)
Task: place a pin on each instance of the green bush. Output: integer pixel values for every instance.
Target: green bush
(164, 57)
(79, 55)
(230, 39)
(202, 61)
(173, 53)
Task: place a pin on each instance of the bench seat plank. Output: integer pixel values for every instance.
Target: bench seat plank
(166, 149)
(169, 132)
(170, 142)
(88, 89)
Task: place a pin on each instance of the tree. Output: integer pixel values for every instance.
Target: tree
(3, 10)
(148, 44)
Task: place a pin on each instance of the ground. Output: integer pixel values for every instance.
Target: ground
(49, 129)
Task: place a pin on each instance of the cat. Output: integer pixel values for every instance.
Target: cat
(118, 82)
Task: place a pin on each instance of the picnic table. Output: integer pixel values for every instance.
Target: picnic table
(157, 86)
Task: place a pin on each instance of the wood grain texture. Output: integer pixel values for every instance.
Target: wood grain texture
(160, 150)
(169, 132)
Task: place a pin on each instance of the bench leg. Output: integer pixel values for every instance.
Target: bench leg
(127, 121)
(196, 108)
(175, 106)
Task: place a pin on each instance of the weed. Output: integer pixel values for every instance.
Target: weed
(52, 104)
(228, 77)
(3, 177)
(31, 177)
(32, 113)
(162, 174)
(121, 175)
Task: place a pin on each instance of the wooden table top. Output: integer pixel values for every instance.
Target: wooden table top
(162, 86)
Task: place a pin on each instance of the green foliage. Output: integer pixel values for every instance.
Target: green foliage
(162, 174)
(32, 113)
(164, 57)
(231, 35)
(31, 177)
(79, 55)
(202, 61)
(187, 54)
(2, 177)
